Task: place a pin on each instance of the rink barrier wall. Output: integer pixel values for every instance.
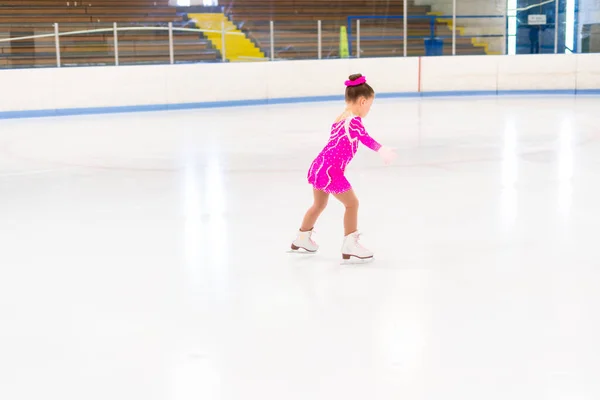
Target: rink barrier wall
(99, 90)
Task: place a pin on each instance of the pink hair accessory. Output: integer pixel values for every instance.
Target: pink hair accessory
(359, 81)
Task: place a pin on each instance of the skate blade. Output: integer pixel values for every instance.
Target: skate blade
(357, 261)
(301, 250)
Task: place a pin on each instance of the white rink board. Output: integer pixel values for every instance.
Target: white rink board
(537, 72)
(169, 86)
(441, 74)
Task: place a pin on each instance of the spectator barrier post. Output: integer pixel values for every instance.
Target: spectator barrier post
(57, 43)
(171, 52)
(116, 43)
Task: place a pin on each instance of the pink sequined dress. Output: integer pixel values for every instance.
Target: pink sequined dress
(326, 172)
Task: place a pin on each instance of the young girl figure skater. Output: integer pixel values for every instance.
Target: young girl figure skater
(326, 173)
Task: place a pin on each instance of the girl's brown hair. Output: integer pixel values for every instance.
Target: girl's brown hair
(353, 93)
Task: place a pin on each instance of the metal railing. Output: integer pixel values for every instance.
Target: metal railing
(366, 36)
(116, 29)
(432, 22)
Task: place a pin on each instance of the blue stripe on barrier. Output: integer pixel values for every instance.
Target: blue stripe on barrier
(588, 91)
(537, 92)
(459, 93)
(106, 110)
(397, 95)
(290, 100)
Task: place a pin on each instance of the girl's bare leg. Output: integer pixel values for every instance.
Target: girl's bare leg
(311, 216)
(350, 201)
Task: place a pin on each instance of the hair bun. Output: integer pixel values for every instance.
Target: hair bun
(354, 77)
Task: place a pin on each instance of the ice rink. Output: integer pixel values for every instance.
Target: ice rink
(144, 256)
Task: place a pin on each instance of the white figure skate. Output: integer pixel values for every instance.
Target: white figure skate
(305, 242)
(353, 249)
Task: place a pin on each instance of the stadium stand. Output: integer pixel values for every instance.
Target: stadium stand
(295, 30)
(296, 27)
(28, 17)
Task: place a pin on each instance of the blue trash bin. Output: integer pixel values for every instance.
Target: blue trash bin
(434, 47)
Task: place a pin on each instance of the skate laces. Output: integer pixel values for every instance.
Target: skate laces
(356, 238)
(310, 237)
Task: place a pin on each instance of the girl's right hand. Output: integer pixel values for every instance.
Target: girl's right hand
(387, 154)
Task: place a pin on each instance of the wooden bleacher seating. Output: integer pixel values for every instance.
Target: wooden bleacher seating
(295, 23)
(29, 17)
(295, 30)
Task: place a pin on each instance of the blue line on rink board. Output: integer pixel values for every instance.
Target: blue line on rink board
(291, 100)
